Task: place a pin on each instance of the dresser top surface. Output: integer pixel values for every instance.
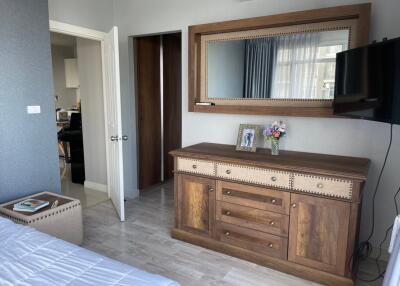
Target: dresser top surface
(351, 167)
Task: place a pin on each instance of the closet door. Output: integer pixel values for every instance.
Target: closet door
(147, 58)
(172, 97)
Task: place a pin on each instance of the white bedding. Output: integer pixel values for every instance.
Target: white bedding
(29, 257)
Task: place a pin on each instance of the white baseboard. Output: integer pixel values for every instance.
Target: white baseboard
(95, 186)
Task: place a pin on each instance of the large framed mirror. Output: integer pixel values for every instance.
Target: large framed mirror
(282, 64)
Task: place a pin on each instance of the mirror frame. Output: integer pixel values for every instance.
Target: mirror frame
(356, 16)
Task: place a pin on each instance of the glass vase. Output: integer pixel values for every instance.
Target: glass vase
(275, 147)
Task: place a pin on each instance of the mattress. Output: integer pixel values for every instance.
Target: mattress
(29, 257)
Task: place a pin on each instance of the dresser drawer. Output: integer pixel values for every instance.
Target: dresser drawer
(195, 166)
(264, 221)
(255, 197)
(323, 185)
(254, 175)
(259, 242)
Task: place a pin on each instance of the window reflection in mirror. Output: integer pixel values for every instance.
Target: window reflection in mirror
(292, 66)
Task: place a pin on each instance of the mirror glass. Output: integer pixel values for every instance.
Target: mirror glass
(292, 66)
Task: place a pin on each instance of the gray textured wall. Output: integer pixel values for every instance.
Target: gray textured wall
(28, 143)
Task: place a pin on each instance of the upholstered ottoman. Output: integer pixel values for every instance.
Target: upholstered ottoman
(63, 221)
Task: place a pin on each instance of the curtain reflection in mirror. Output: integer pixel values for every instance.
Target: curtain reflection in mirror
(260, 58)
(291, 66)
(295, 68)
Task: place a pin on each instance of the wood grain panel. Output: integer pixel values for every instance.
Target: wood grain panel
(256, 241)
(255, 197)
(264, 221)
(172, 95)
(148, 105)
(318, 233)
(299, 270)
(196, 199)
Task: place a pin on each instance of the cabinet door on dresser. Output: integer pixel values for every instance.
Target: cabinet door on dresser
(318, 233)
(196, 204)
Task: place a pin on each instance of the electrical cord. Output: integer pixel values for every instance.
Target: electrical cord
(364, 249)
(379, 181)
(382, 274)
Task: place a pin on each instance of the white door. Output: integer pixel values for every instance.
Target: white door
(112, 106)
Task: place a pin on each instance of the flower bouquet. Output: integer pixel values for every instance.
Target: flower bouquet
(273, 133)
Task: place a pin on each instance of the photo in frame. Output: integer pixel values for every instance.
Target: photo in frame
(247, 137)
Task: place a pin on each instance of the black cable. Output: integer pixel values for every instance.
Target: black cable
(379, 181)
(364, 249)
(382, 274)
(395, 201)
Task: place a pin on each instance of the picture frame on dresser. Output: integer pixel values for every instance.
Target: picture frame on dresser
(247, 137)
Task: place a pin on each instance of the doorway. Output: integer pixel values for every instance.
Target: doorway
(110, 74)
(78, 94)
(158, 89)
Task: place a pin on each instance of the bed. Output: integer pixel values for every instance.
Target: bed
(29, 257)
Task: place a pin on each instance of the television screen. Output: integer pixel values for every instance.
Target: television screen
(367, 82)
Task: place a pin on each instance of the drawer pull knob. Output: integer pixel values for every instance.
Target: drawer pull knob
(273, 179)
(228, 192)
(273, 201)
(270, 245)
(227, 233)
(320, 185)
(211, 190)
(228, 171)
(194, 167)
(294, 206)
(272, 222)
(228, 213)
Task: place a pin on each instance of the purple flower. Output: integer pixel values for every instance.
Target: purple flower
(267, 132)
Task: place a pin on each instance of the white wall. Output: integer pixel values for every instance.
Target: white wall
(93, 14)
(92, 104)
(332, 136)
(66, 96)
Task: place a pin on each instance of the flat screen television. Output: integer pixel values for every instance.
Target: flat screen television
(367, 82)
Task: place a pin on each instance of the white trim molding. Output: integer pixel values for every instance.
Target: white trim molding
(77, 31)
(95, 186)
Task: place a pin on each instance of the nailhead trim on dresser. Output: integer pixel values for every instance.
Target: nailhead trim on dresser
(195, 166)
(333, 187)
(253, 175)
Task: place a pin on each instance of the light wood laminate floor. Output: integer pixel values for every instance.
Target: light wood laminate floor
(88, 197)
(144, 241)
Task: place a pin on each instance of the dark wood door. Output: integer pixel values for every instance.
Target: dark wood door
(318, 233)
(148, 105)
(172, 95)
(196, 204)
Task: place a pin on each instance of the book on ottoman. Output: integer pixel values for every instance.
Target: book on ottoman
(61, 216)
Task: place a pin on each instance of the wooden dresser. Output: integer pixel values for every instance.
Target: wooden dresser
(296, 212)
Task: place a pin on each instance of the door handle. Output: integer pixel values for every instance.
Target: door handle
(125, 137)
(114, 138)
